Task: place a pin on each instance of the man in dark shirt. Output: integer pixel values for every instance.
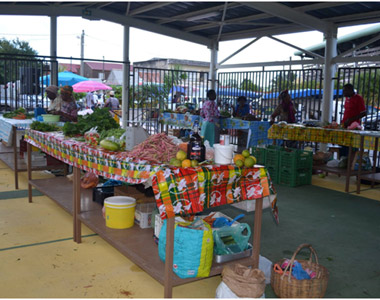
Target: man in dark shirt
(354, 107)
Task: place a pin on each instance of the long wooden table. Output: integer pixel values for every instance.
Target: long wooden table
(135, 243)
(350, 138)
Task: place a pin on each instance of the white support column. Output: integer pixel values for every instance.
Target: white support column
(126, 66)
(53, 51)
(213, 64)
(329, 73)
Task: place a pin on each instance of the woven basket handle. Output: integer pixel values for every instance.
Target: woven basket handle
(290, 264)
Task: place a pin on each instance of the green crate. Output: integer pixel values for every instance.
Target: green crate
(296, 178)
(273, 173)
(260, 154)
(295, 159)
(272, 156)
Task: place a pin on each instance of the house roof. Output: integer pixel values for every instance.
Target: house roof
(347, 42)
(106, 66)
(74, 68)
(209, 22)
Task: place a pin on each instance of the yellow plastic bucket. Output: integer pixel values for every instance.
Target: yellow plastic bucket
(120, 212)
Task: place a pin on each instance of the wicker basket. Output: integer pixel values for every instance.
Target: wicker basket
(284, 286)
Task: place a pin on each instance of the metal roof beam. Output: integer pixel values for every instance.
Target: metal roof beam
(238, 51)
(293, 46)
(198, 12)
(284, 12)
(148, 7)
(357, 59)
(318, 61)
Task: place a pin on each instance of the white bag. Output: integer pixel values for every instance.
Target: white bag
(265, 265)
(223, 291)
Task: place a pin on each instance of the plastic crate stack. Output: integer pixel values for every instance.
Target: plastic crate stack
(287, 166)
(295, 167)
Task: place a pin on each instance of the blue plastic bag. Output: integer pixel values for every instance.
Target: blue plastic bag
(230, 240)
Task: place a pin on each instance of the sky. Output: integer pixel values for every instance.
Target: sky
(105, 40)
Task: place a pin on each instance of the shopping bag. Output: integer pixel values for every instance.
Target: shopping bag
(193, 248)
(232, 239)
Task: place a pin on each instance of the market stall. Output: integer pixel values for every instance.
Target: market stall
(178, 191)
(343, 137)
(257, 130)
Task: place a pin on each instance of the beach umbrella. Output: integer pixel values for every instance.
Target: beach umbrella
(90, 86)
(64, 78)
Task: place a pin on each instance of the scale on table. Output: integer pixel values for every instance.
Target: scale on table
(134, 135)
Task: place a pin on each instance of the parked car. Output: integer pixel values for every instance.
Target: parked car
(372, 122)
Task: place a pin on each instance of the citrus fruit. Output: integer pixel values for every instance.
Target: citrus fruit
(238, 157)
(249, 162)
(181, 155)
(254, 159)
(246, 153)
(186, 163)
(194, 163)
(239, 163)
(175, 162)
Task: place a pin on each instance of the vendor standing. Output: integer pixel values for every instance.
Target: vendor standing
(242, 109)
(67, 109)
(112, 102)
(354, 107)
(210, 113)
(285, 111)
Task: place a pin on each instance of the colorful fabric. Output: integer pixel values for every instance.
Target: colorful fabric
(178, 191)
(352, 107)
(285, 112)
(69, 108)
(210, 111)
(322, 135)
(67, 90)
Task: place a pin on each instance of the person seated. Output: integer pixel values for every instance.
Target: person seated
(68, 109)
(55, 99)
(242, 108)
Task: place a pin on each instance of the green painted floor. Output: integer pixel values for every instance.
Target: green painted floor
(38, 258)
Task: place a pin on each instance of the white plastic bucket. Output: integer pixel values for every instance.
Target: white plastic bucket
(223, 154)
(120, 211)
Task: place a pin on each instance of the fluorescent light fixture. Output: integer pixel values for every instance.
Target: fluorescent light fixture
(204, 16)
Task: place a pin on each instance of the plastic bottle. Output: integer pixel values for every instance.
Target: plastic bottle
(195, 149)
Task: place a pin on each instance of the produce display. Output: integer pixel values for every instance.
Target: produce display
(18, 114)
(158, 148)
(100, 118)
(244, 159)
(44, 127)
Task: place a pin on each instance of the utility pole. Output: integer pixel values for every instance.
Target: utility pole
(82, 54)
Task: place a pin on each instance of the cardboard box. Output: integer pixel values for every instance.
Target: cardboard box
(143, 214)
(130, 191)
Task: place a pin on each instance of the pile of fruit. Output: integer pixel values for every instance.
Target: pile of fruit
(181, 160)
(244, 159)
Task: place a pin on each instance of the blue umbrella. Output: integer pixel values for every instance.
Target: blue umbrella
(64, 78)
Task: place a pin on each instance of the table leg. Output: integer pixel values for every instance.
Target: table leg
(374, 160)
(15, 153)
(257, 232)
(168, 286)
(358, 181)
(29, 170)
(348, 170)
(76, 205)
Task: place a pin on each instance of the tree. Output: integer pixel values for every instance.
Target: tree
(248, 85)
(9, 51)
(16, 47)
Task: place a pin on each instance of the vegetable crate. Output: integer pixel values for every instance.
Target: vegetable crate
(295, 178)
(295, 159)
(274, 174)
(272, 156)
(260, 153)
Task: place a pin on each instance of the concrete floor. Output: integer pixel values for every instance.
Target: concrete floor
(38, 258)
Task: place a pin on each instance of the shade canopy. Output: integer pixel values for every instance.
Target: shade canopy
(64, 78)
(90, 86)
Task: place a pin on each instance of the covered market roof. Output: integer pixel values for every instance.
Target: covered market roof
(209, 22)
(347, 42)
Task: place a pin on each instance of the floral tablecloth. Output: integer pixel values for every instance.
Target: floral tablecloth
(322, 135)
(178, 191)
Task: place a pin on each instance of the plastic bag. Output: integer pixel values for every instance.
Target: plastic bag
(92, 137)
(209, 151)
(89, 180)
(230, 240)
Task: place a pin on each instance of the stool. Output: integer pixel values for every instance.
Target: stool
(335, 149)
